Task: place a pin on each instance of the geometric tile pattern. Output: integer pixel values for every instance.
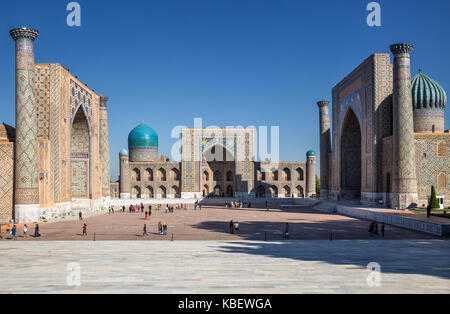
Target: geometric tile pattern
(27, 189)
(6, 180)
(104, 148)
(79, 179)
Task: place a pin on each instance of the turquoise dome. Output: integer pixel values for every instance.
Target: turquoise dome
(427, 94)
(142, 136)
(311, 153)
(123, 152)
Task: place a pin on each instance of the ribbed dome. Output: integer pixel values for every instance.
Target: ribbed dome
(427, 94)
(311, 153)
(142, 136)
(123, 152)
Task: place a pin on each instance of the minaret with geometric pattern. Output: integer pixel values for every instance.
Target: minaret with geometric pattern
(310, 173)
(124, 185)
(404, 180)
(325, 146)
(104, 147)
(26, 172)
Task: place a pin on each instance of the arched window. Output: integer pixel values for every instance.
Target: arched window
(217, 176)
(162, 174)
(260, 191)
(205, 175)
(175, 174)
(287, 191)
(135, 175)
(149, 191)
(148, 174)
(273, 191)
(287, 174)
(162, 191)
(442, 149)
(176, 192)
(300, 176)
(205, 190)
(441, 181)
(136, 192)
(275, 175)
(230, 191)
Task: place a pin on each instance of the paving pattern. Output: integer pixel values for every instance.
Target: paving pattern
(212, 223)
(407, 266)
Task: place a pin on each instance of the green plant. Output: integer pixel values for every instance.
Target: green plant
(434, 201)
(317, 185)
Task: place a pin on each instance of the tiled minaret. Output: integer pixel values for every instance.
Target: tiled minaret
(104, 147)
(124, 186)
(310, 173)
(325, 146)
(26, 207)
(404, 180)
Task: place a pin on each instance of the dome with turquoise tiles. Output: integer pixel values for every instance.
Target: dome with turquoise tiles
(123, 152)
(427, 94)
(311, 153)
(142, 136)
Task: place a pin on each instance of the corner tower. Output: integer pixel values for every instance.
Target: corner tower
(325, 146)
(404, 165)
(26, 199)
(311, 173)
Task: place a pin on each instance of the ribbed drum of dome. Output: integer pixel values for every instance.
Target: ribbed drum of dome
(429, 102)
(143, 144)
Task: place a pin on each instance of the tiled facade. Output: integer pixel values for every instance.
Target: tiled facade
(375, 155)
(216, 163)
(57, 157)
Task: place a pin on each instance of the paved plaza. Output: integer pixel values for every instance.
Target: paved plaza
(407, 266)
(212, 223)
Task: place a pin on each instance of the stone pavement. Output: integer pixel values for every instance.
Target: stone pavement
(407, 266)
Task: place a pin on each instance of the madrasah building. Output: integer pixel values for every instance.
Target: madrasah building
(214, 163)
(56, 159)
(387, 143)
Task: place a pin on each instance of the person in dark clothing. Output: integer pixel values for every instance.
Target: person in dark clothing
(382, 229)
(375, 231)
(145, 231)
(85, 230)
(371, 228)
(36, 231)
(286, 231)
(428, 211)
(80, 215)
(231, 226)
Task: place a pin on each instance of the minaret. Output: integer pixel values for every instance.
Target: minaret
(124, 186)
(26, 193)
(325, 147)
(310, 173)
(404, 180)
(104, 147)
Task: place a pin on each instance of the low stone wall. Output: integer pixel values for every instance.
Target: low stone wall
(387, 218)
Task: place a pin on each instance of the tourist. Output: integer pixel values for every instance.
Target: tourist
(80, 215)
(36, 231)
(371, 228)
(382, 229)
(165, 229)
(428, 210)
(145, 231)
(231, 226)
(1, 232)
(25, 231)
(375, 231)
(159, 227)
(200, 207)
(267, 205)
(85, 230)
(13, 232)
(286, 231)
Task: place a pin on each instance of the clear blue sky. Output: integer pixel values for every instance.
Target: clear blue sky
(231, 62)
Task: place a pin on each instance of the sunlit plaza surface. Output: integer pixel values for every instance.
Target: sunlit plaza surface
(325, 253)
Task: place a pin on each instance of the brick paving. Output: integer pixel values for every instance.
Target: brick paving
(212, 223)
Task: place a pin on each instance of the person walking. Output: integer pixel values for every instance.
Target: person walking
(25, 231)
(267, 205)
(85, 230)
(382, 230)
(80, 215)
(145, 233)
(286, 231)
(36, 231)
(13, 232)
(231, 226)
(371, 228)
(146, 216)
(1, 237)
(375, 231)
(428, 210)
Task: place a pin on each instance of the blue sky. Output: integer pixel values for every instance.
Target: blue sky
(230, 62)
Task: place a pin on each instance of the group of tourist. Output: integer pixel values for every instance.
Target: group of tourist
(238, 204)
(373, 229)
(12, 231)
(162, 229)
